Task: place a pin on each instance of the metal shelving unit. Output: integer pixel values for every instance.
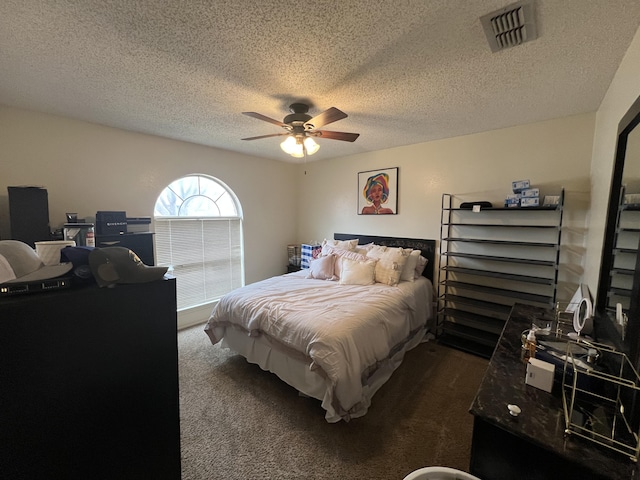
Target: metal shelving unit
(625, 251)
(490, 260)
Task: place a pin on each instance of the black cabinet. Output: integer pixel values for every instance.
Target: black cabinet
(490, 259)
(89, 384)
(140, 243)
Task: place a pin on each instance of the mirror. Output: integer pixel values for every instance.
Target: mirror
(620, 269)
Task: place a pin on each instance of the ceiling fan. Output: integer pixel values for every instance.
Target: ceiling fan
(301, 129)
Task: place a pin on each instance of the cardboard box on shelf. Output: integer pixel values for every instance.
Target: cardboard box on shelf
(512, 200)
(520, 185)
(530, 192)
(530, 202)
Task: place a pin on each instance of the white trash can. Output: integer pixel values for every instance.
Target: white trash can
(439, 473)
(49, 252)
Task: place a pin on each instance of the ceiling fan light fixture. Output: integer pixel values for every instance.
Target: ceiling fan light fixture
(290, 145)
(297, 146)
(301, 128)
(310, 145)
(299, 154)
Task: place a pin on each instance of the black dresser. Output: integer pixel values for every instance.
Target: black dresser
(89, 384)
(533, 445)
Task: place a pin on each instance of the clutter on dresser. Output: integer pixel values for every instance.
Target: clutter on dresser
(23, 271)
(83, 234)
(115, 229)
(540, 374)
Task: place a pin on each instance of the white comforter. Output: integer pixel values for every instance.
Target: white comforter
(345, 331)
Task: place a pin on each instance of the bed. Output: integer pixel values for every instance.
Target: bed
(331, 338)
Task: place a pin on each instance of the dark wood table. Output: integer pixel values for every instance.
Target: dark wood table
(532, 445)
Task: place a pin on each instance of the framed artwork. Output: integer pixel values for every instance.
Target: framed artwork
(378, 192)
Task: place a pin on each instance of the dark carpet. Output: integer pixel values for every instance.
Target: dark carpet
(239, 422)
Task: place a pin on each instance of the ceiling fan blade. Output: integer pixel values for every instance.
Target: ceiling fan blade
(344, 136)
(259, 116)
(266, 136)
(325, 118)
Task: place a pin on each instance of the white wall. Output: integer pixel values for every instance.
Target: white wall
(86, 168)
(551, 154)
(623, 91)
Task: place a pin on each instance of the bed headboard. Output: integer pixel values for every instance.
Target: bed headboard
(427, 247)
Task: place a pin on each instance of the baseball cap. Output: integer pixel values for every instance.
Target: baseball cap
(20, 263)
(112, 265)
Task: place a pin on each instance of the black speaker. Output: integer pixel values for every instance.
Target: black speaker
(29, 214)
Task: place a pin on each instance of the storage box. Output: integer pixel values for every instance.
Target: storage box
(632, 199)
(512, 200)
(530, 202)
(530, 193)
(520, 185)
(309, 252)
(111, 223)
(138, 224)
(540, 374)
(551, 200)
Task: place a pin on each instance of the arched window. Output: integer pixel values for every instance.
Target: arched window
(198, 225)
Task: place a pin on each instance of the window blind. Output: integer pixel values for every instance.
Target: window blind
(204, 253)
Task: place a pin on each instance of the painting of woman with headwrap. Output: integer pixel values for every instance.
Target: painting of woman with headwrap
(378, 192)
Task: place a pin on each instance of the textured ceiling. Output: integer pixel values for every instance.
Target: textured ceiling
(405, 71)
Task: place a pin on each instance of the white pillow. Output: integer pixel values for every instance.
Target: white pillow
(342, 254)
(376, 251)
(322, 268)
(357, 273)
(342, 244)
(409, 270)
(390, 265)
(363, 249)
(420, 266)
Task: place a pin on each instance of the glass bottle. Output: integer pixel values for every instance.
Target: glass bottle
(529, 347)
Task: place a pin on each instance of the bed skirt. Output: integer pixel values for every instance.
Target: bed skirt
(297, 372)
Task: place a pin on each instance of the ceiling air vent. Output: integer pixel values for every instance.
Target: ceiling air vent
(510, 26)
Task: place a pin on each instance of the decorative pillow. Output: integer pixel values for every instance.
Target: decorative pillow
(358, 273)
(363, 249)
(390, 265)
(342, 254)
(343, 244)
(420, 266)
(408, 272)
(322, 268)
(376, 251)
